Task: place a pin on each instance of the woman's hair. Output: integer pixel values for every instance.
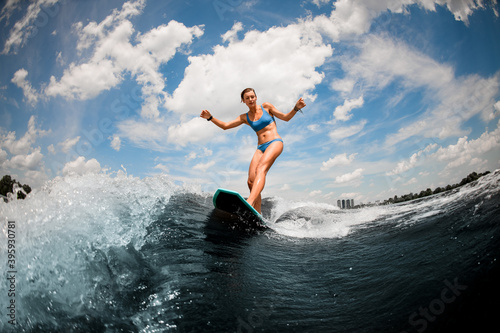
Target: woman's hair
(247, 90)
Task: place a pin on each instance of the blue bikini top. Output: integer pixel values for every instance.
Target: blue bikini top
(263, 121)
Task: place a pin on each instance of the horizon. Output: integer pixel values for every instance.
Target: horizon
(400, 95)
(377, 202)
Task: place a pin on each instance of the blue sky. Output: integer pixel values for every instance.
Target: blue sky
(401, 95)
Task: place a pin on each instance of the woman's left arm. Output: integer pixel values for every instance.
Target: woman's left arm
(285, 116)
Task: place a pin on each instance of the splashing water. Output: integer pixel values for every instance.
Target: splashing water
(106, 253)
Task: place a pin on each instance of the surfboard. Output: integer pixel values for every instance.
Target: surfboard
(235, 206)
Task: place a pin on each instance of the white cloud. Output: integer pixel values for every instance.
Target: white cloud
(3, 156)
(319, 3)
(93, 31)
(22, 158)
(497, 109)
(59, 59)
(352, 195)
(162, 168)
(114, 55)
(32, 161)
(313, 127)
(204, 166)
(115, 142)
(86, 80)
(406, 165)
(207, 152)
(356, 175)
(35, 178)
(315, 193)
(195, 130)
(411, 181)
(52, 149)
(67, 144)
(80, 167)
(342, 112)
(8, 8)
(383, 60)
(345, 86)
(285, 187)
(353, 18)
(155, 134)
(345, 132)
(19, 80)
(143, 133)
(193, 155)
(461, 9)
(459, 101)
(465, 151)
(25, 27)
(341, 159)
(450, 100)
(23, 145)
(287, 55)
(232, 34)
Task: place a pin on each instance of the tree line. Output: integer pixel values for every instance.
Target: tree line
(411, 196)
(7, 186)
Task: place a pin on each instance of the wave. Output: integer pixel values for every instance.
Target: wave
(313, 220)
(316, 220)
(77, 237)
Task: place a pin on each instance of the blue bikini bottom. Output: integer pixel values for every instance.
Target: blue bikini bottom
(264, 146)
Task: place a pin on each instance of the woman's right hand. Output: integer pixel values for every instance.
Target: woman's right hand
(205, 114)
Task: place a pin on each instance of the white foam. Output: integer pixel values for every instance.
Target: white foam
(63, 226)
(317, 220)
(312, 220)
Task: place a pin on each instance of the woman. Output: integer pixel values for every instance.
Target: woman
(270, 144)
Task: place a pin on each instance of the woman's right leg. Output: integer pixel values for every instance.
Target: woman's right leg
(252, 172)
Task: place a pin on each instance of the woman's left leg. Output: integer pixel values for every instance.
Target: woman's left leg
(258, 169)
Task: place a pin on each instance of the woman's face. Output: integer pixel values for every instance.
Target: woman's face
(249, 98)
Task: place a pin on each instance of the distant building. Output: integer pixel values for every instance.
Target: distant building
(345, 203)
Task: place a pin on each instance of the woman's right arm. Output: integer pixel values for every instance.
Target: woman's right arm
(205, 114)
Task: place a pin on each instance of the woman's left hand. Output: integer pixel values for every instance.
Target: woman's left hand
(300, 103)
